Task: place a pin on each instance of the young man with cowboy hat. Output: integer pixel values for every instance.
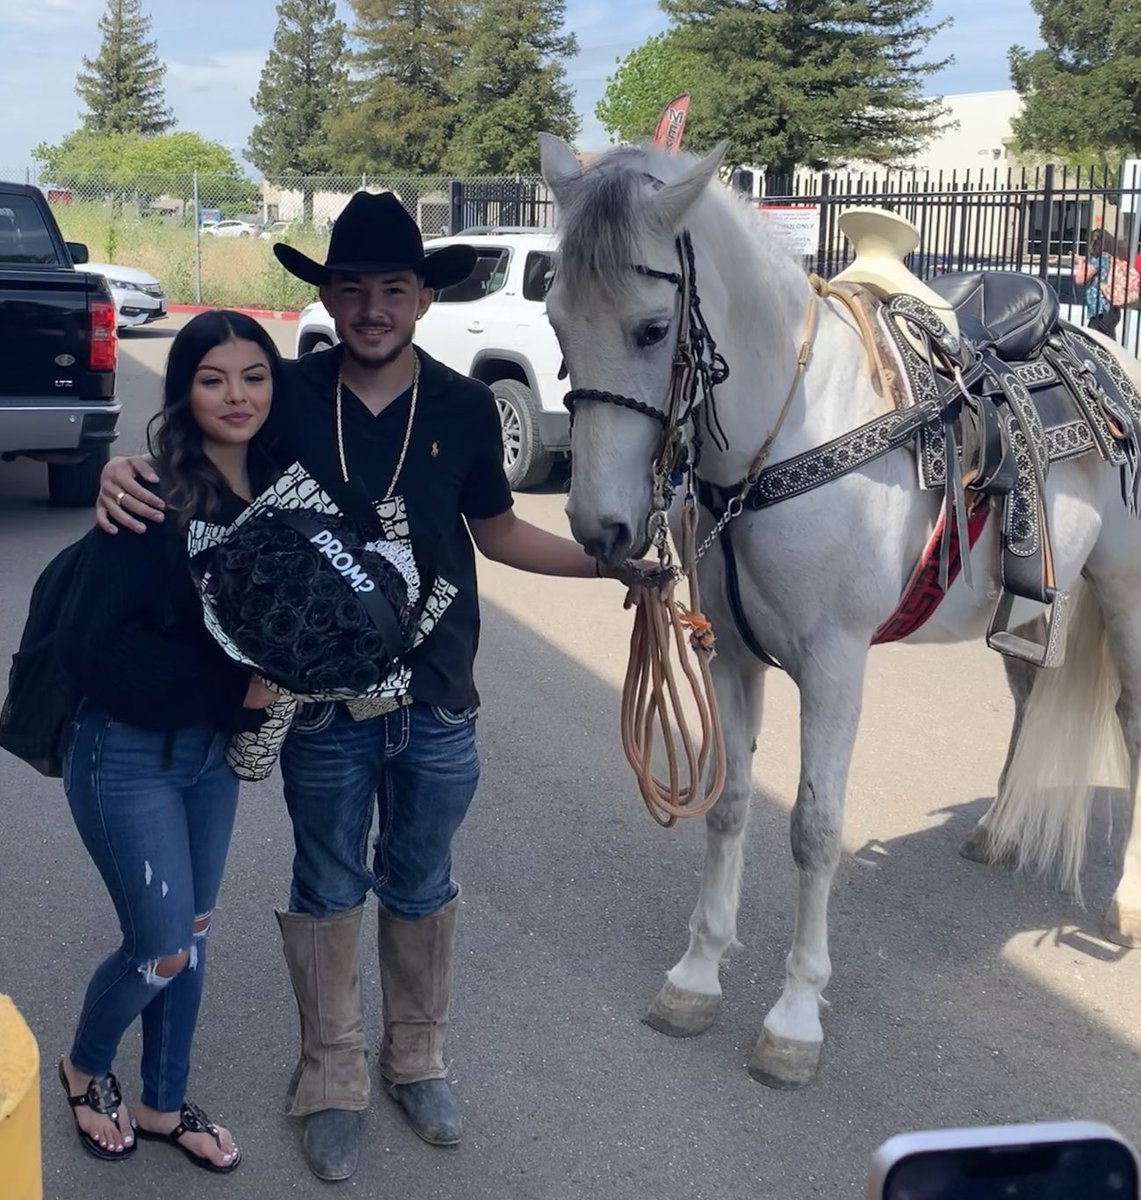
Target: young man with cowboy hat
(380, 414)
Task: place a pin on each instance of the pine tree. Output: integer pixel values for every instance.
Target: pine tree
(810, 82)
(122, 86)
(302, 87)
(512, 85)
(402, 105)
(1082, 92)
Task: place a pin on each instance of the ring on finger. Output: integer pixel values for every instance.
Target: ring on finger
(119, 497)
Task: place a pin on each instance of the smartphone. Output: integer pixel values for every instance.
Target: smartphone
(1067, 1160)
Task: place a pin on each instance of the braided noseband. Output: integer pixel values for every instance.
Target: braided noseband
(573, 399)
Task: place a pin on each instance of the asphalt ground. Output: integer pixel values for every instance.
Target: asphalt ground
(961, 994)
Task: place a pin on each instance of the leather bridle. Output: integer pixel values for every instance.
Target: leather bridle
(698, 367)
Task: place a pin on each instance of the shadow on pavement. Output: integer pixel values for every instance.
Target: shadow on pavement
(574, 905)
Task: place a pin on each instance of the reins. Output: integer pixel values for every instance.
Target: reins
(654, 700)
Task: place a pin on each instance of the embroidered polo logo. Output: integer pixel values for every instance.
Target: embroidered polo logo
(435, 449)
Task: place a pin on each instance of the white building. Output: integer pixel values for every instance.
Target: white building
(978, 139)
(981, 135)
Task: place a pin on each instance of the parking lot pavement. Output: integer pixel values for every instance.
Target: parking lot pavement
(961, 995)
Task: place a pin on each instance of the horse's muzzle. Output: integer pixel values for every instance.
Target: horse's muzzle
(611, 541)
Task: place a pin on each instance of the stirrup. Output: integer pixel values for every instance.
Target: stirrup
(1049, 653)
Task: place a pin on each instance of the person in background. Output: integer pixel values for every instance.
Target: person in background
(1103, 256)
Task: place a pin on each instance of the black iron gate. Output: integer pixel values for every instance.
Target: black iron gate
(484, 204)
(1035, 221)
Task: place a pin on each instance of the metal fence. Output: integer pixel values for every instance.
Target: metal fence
(1030, 220)
(208, 237)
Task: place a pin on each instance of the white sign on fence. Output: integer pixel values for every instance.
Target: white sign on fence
(797, 226)
(1130, 185)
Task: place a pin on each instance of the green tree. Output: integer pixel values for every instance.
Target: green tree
(810, 82)
(647, 79)
(1082, 92)
(401, 108)
(122, 85)
(114, 165)
(511, 86)
(302, 85)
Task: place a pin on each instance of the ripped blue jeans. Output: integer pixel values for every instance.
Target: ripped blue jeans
(155, 812)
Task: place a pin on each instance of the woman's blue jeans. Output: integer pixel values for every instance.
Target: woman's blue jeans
(155, 812)
(418, 765)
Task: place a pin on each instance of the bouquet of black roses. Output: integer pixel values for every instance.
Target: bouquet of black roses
(318, 605)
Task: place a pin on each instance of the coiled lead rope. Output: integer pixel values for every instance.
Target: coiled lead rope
(669, 636)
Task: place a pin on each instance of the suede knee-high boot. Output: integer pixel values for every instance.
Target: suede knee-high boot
(330, 1085)
(417, 958)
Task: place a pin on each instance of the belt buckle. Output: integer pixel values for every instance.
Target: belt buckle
(368, 707)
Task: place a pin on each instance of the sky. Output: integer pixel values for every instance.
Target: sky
(213, 61)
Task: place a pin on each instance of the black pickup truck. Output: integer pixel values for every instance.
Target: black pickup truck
(57, 350)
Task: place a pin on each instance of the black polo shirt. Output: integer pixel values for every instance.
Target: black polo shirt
(453, 469)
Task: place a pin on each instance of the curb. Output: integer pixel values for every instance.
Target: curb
(265, 314)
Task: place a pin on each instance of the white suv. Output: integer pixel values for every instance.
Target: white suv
(493, 326)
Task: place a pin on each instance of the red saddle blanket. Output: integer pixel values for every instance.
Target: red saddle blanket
(923, 595)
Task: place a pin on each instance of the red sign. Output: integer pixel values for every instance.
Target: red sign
(671, 125)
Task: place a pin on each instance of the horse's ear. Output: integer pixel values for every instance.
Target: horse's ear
(674, 200)
(557, 162)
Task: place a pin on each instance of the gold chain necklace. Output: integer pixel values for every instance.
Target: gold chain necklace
(407, 429)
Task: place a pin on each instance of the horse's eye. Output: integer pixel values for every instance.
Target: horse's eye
(653, 333)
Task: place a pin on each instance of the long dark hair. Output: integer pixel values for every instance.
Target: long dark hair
(195, 485)
(1101, 241)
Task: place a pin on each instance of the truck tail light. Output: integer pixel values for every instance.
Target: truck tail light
(103, 336)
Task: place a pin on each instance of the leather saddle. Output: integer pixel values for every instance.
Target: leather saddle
(1011, 313)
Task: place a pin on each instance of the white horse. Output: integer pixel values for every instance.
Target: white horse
(820, 572)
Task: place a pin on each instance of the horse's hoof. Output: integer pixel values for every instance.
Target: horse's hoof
(678, 1013)
(976, 846)
(779, 1062)
(1122, 926)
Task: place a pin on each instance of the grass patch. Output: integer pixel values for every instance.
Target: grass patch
(235, 272)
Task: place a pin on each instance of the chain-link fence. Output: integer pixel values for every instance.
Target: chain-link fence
(208, 238)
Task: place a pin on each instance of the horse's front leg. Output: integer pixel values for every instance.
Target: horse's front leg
(691, 996)
(831, 682)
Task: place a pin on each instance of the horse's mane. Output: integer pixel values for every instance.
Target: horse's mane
(603, 218)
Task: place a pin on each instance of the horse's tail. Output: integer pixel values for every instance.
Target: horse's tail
(1069, 742)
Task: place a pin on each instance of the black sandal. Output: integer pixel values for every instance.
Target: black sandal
(194, 1120)
(104, 1097)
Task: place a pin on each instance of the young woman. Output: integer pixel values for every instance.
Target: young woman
(145, 769)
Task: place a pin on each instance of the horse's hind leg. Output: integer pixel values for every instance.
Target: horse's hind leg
(830, 681)
(1020, 677)
(1122, 922)
(689, 1000)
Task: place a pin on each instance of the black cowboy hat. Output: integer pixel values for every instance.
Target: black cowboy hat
(373, 236)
